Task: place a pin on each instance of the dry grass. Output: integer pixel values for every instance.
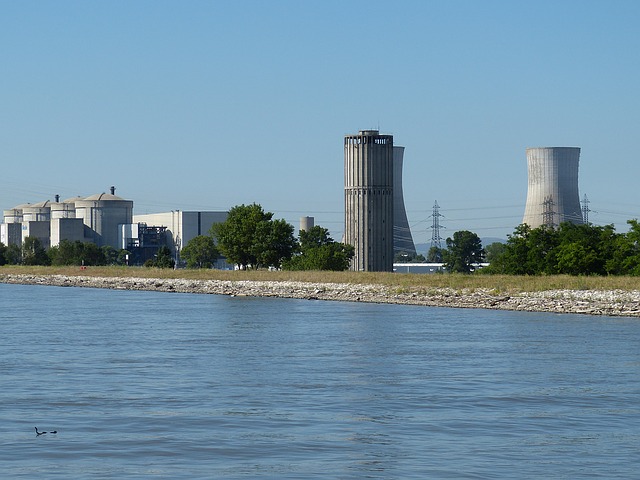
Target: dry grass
(402, 281)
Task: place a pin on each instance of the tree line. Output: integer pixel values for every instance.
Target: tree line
(569, 249)
(32, 252)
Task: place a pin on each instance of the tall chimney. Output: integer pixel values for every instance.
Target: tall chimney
(57, 198)
(113, 190)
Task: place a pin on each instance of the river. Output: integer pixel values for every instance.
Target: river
(161, 385)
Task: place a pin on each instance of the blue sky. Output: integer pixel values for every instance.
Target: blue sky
(209, 104)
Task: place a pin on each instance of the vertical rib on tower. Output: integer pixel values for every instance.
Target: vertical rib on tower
(402, 238)
(368, 199)
(552, 195)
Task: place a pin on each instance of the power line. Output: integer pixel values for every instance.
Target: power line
(436, 240)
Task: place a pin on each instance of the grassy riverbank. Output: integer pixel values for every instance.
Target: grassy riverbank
(497, 283)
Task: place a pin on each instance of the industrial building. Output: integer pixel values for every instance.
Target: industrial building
(368, 200)
(181, 226)
(87, 219)
(552, 195)
(106, 220)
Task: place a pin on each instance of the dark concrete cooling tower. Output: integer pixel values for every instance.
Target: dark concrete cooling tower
(368, 199)
(552, 196)
(402, 238)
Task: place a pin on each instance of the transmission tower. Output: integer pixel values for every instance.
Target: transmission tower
(547, 212)
(585, 210)
(436, 240)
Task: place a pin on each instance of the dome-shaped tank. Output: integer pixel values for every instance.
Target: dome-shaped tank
(37, 212)
(64, 209)
(14, 215)
(102, 213)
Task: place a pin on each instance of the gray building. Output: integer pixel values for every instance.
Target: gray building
(402, 238)
(180, 226)
(306, 224)
(552, 194)
(92, 219)
(368, 199)
(101, 214)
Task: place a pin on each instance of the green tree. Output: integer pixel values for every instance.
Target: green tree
(318, 251)
(585, 249)
(514, 258)
(3, 251)
(524, 252)
(624, 258)
(575, 259)
(200, 252)
(541, 250)
(463, 251)
(77, 253)
(90, 254)
(249, 237)
(33, 253)
(65, 253)
(13, 255)
(494, 250)
(435, 255)
(123, 257)
(163, 259)
(573, 249)
(274, 243)
(113, 256)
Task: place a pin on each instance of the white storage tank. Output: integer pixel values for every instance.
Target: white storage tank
(14, 215)
(102, 214)
(37, 212)
(64, 209)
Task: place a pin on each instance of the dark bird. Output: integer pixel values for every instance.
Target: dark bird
(39, 433)
(55, 431)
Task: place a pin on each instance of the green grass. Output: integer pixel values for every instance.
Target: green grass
(499, 284)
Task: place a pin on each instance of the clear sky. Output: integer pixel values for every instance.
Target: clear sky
(203, 105)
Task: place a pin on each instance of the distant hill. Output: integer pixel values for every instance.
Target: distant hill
(489, 240)
(424, 247)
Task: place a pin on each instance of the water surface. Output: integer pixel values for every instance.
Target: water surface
(147, 384)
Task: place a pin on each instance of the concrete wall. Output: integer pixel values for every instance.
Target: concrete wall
(368, 184)
(11, 233)
(552, 194)
(71, 229)
(39, 229)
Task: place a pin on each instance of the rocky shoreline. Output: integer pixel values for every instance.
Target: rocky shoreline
(614, 303)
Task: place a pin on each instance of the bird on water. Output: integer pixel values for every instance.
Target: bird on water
(42, 433)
